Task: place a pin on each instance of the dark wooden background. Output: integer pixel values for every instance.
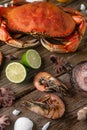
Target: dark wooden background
(26, 89)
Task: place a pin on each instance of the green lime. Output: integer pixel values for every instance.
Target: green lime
(15, 72)
(31, 58)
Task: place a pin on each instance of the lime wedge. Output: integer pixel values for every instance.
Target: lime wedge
(31, 58)
(15, 72)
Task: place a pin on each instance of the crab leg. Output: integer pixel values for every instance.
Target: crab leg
(53, 47)
(5, 36)
(77, 37)
(79, 18)
(81, 21)
(70, 43)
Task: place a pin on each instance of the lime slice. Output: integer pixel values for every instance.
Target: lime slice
(15, 72)
(31, 58)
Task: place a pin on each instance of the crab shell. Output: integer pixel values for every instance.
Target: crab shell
(44, 19)
(38, 20)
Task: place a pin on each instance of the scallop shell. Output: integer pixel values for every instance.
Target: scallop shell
(23, 123)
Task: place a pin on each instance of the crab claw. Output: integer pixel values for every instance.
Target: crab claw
(5, 36)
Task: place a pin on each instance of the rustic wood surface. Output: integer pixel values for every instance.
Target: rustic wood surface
(26, 90)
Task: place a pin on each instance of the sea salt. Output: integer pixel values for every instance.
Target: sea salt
(82, 114)
(82, 7)
(16, 112)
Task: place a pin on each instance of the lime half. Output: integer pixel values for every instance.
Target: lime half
(15, 72)
(31, 58)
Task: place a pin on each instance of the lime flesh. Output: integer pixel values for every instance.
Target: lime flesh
(31, 58)
(15, 72)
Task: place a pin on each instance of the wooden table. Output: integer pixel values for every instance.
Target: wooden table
(26, 89)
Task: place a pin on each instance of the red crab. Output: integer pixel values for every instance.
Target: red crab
(58, 29)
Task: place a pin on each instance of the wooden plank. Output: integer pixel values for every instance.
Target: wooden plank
(69, 121)
(27, 86)
(46, 66)
(26, 90)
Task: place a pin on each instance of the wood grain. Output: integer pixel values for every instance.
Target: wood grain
(73, 101)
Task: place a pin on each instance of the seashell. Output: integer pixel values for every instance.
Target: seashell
(23, 123)
(81, 115)
(85, 109)
(45, 127)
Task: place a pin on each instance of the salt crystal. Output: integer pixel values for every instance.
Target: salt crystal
(81, 115)
(82, 7)
(6, 5)
(16, 112)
